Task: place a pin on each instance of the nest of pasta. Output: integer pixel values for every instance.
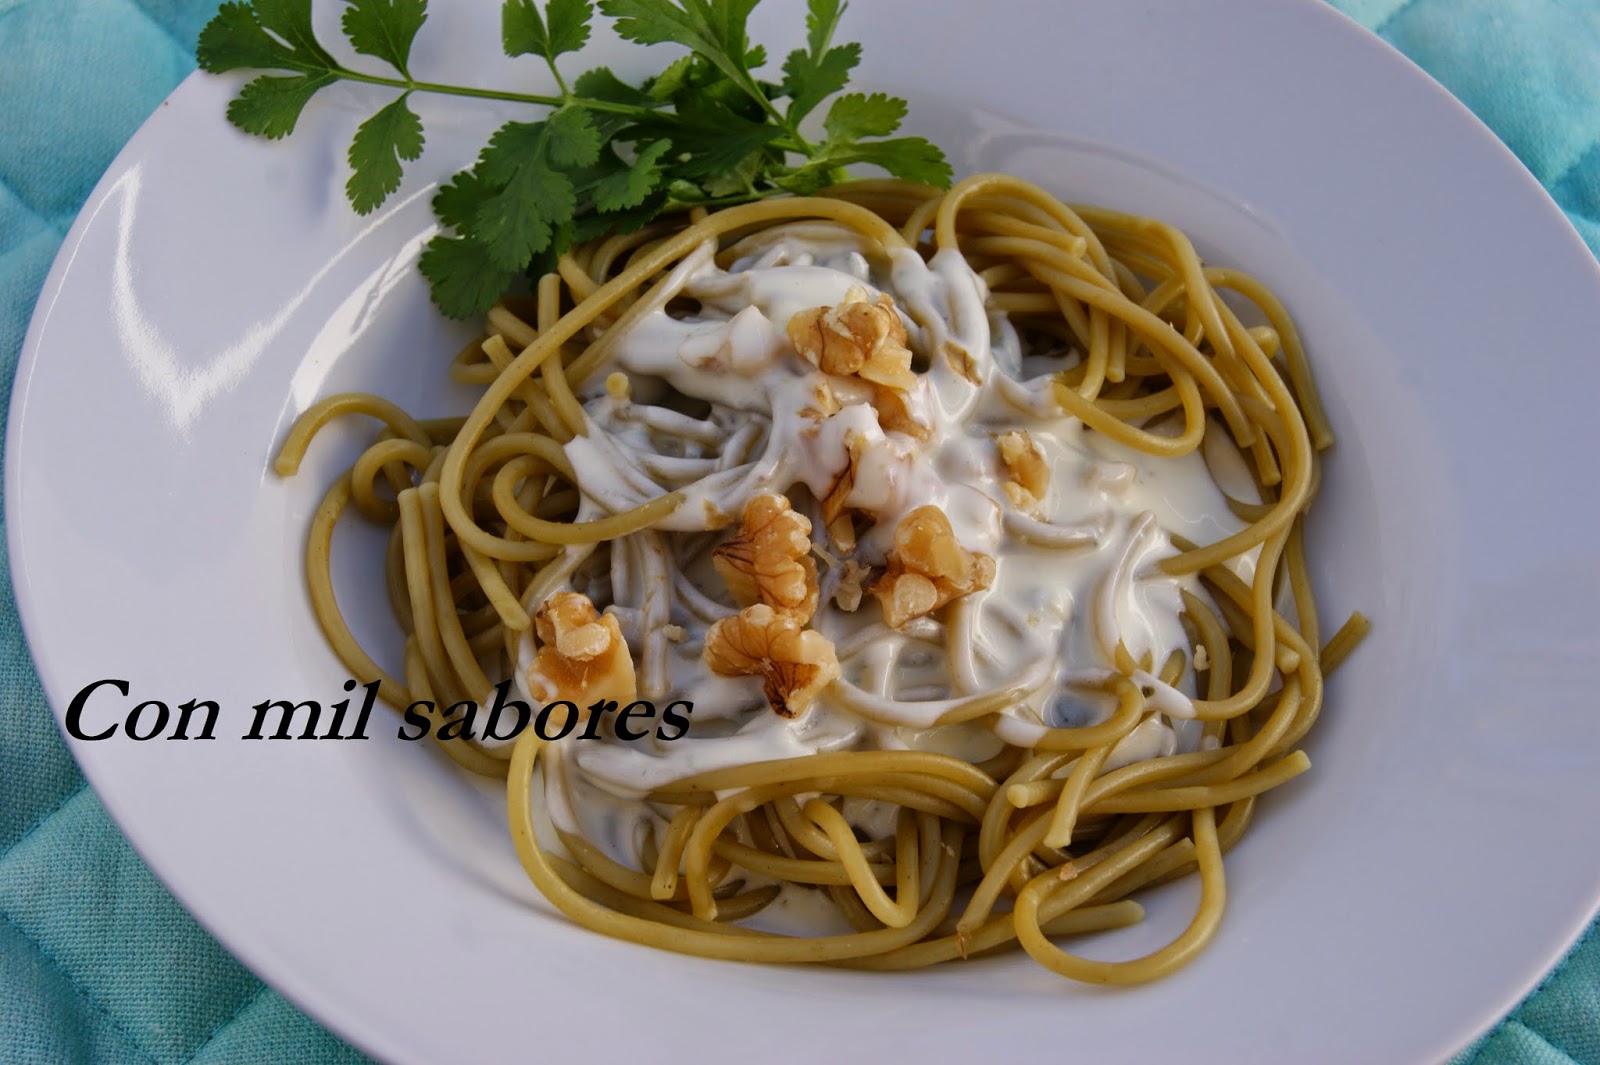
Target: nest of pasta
(881, 486)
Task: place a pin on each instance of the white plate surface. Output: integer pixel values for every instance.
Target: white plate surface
(1384, 908)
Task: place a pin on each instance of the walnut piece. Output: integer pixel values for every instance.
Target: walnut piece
(1025, 464)
(894, 414)
(845, 483)
(851, 586)
(961, 360)
(824, 402)
(928, 568)
(842, 532)
(794, 663)
(856, 337)
(582, 656)
(714, 517)
(867, 340)
(769, 559)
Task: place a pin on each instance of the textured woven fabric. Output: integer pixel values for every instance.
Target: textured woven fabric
(97, 962)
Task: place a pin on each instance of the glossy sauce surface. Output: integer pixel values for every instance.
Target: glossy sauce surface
(719, 406)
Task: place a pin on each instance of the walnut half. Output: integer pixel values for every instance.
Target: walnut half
(582, 656)
(794, 663)
(928, 568)
(866, 340)
(856, 337)
(769, 559)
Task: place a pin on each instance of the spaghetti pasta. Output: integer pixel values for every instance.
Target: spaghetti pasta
(874, 482)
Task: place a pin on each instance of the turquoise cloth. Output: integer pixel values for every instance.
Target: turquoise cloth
(97, 962)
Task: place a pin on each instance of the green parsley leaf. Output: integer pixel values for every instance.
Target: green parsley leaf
(715, 29)
(526, 162)
(572, 138)
(811, 179)
(569, 24)
(463, 276)
(238, 38)
(807, 80)
(270, 106)
(601, 84)
(393, 134)
(856, 115)
(234, 40)
(512, 145)
(663, 22)
(522, 29)
(457, 202)
(704, 84)
(610, 156)
(815, 73)
(384, 29)
(518, 222)
(685, 192)
(727, 20)
(564, 27)
(629, 186)
(910, 158)
(707, 137)
(592, 225)
(822, 19)
(741, 178)
(673, 80)
(291, 20)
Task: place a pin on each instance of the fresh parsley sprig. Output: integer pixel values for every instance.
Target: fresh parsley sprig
(608, 156)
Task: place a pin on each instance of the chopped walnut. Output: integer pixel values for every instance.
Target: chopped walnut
(856, 337)
(961, 360)
(794, 663)
(1029, 474)
(851, 586)
(894, 414)
(1024, 461)
(928, 568)
(769, 559)
(867, 340)
(1021, 498)
(842, 532)
(582, 656)
(715, 518)
(845, 483)
(824, 403)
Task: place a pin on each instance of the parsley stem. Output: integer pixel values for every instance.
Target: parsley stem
(492, 94)
(778, 118)
(561, 83)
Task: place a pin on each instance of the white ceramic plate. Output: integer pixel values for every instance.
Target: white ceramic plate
(1385, 908)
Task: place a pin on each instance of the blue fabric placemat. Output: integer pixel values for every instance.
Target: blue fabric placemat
(97, 962)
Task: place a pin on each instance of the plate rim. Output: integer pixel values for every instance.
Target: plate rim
(59, 274)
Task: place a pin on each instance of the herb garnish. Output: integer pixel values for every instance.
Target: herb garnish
(608, 156)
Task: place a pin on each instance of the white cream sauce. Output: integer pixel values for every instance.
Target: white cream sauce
(1110, 511)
